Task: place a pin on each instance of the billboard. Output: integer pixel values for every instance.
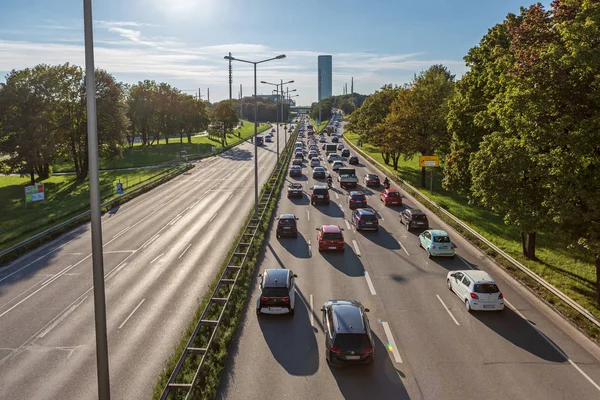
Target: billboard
(34, 193)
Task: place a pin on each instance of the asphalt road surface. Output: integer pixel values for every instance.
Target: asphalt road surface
(161, 251)
(427, 345)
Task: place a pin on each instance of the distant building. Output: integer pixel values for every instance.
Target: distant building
(324, 77)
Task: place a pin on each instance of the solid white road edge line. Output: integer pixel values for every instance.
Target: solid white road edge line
(465, 262)
(447, 310)
(403, 247)
(312, 312)
(152, 239)
(390, 338)
(562, 353)
(356, 249)
(213, 217)
(347, 224)
(370, 284)
(157, 257)
(122, 232)
(130, 315)
(186, 249)
(175, 220)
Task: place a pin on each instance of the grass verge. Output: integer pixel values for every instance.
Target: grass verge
(571, 273)
(162, 153)
(216, 358)
(318, 128)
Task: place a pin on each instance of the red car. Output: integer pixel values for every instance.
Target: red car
(391, 197)
(330, 237)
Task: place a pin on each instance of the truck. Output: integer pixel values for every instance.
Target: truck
(330, 148)
(347, 177)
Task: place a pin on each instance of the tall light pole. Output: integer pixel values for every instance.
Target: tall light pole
(285, 125)
(279, 57)
(278, 86)
(95, 215)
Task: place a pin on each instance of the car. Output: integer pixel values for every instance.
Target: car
(348, 336)
(356, 199)
(320, 194)
(414, 218)
(340, 146)
(323, 146)
(323, 139)
(337, 165)
(295, 190)
(295, 170)
(298, 145)
(334, 139)
(299, 154)
(333, 157)
(352, 160)
(372, 180)
(476, 289)
(391, 197)
(436, 243)
(313, 153)
(365, 218)
(315, 162)
(345, 152)
(319, 172)
(313, 147)
(286, 224)
(273, 130)
(277, 295)
(297, 161)
(268, 139)
(330, 237)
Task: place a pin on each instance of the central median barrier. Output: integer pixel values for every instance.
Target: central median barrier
(194, 370)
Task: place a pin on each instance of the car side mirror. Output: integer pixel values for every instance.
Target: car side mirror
(259, 276)
(367, 310)
(317, 229)
(295, 276)
(323, 309)
(297, 219)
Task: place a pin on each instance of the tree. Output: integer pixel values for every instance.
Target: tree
(224, 119)
(29, 135)
(140, 110)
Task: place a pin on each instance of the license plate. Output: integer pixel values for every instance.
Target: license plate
(368, 223)
(352, 357)
(489, 306)
(287, 228)
(320, 197)
(420, 223)
(274, 308)
(332, 247)
(444, 247)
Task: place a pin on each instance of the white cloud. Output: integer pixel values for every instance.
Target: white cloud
(109, 24)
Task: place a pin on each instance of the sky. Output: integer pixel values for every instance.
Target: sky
(183, 42)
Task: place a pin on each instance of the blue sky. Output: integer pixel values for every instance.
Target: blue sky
(183, 42)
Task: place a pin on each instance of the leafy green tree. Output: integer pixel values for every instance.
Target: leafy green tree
(224, 119)
(141, 111)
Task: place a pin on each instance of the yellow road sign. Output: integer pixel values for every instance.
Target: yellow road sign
(429, 161)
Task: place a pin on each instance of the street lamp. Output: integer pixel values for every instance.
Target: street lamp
(288, 93)
(277, 85)
(230, 58)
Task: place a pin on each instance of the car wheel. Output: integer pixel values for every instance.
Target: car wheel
(258, 311)
(419, 243)
(312, 203)
(468, 306)
(449, 284)
(296, 236)
(408, 226)
(327, 203)
(292, 312)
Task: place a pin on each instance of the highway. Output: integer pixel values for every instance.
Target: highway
(161, 252)
(427, 345)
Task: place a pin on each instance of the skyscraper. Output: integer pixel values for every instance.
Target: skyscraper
(324, 77)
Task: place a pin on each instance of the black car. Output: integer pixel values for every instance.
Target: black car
(348, 337)
(353, 160)
(319, 173)
(372, 180)
(320, 194)
(345, 152)
(334, 139)
(277, 294)
(287, 226)
(414, 218)
(357, 200)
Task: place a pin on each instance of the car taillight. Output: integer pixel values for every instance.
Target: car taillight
(313, 195)
(334, 349)
(474, 296)
(263, 299)
(433, 246)
(285, 299)
(369, 351)
(411, 217)
(501, 296)
(351, 201)
(326, 194)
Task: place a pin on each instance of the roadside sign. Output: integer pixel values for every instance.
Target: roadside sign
(119, 187)
(319, 123)
(34, 193)
(429, 161)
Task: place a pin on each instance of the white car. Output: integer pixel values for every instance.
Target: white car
(323, 139)
(315, 162)
(476, 289)
(337, 165)
(334, 157)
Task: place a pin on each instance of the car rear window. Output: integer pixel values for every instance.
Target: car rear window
(419, 217)
(320, 191)
(393, 194)
(332, 236)
(359, 197)
(372, 177)
(275, 292)
(355, 341)
(486, 288)
(287, 222)
(368, 217)
(441, 239)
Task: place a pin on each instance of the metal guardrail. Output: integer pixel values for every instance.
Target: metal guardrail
(585, 313)
(228, 281)
(82, 215)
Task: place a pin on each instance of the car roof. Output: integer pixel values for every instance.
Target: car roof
(438, 232)
(347, 318)
(275, 277)
(478, 276)
(356, 193)
(371, 174)
(319, 168)
(295, 167)
(287, 216)
(331, 229)
(415, 211)
(391, 191)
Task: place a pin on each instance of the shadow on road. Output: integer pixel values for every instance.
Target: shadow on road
(382, 238)
(297, 247)
(346, 261)
(236, 154)
(332, 210)
(377, 381)
(292, 340)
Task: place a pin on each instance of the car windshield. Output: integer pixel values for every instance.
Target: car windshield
(275, 292)
(393, 194)
(441, 239)
(332, 236)
(352, 341)
(486, 288)
(287, 222)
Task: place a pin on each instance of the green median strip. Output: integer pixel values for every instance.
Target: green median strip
(572, 274)
(216, 359)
